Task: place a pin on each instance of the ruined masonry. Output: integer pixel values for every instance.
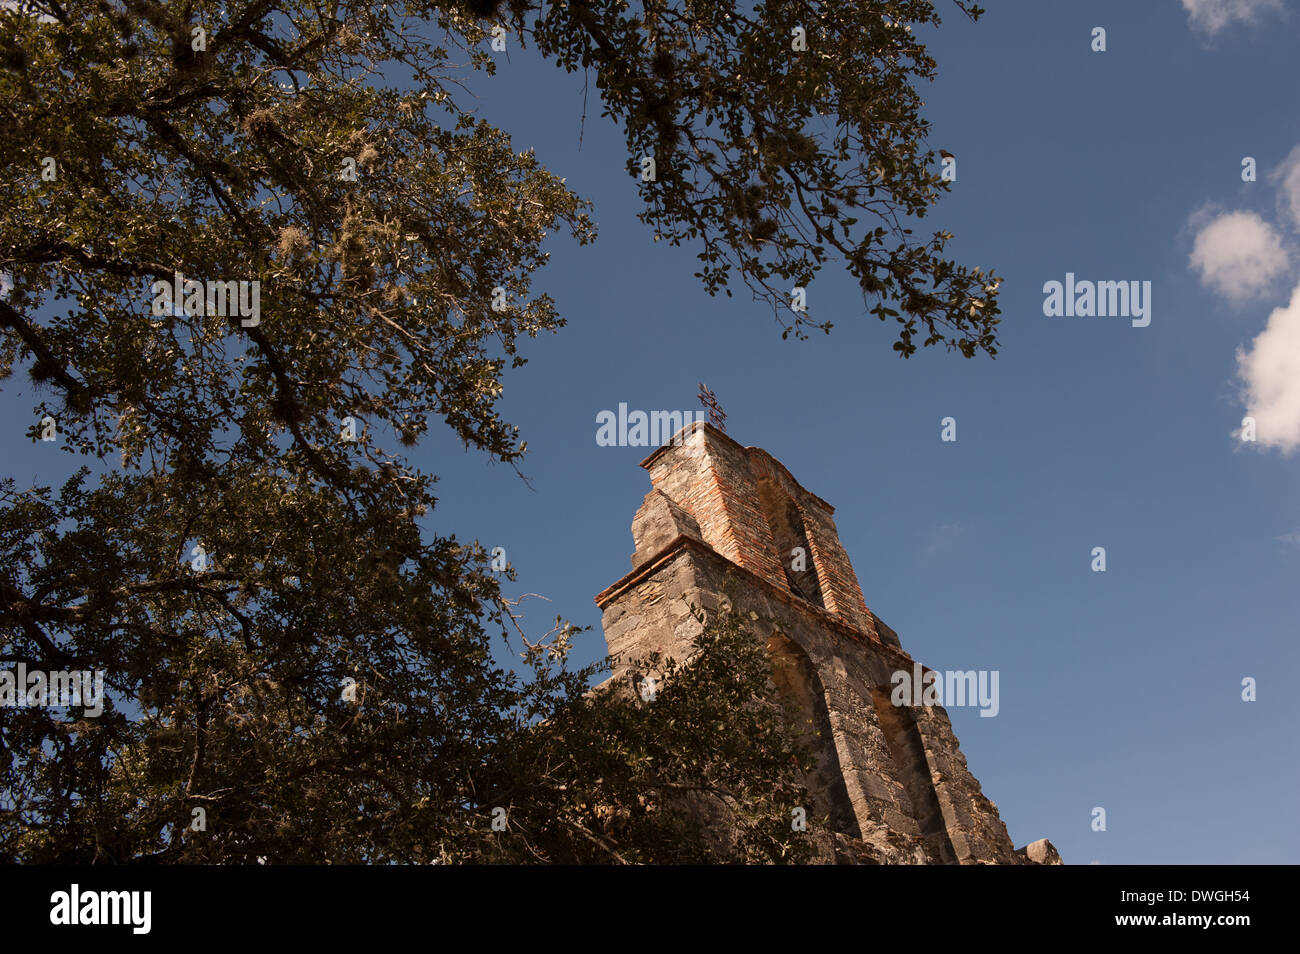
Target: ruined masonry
(714, 529)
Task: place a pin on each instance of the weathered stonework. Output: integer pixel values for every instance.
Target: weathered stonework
(719, 527)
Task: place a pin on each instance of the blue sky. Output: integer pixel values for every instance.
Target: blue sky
(1121, 689)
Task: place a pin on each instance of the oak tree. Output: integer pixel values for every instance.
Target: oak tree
(298, 668)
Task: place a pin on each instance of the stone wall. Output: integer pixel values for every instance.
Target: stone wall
(891, 780)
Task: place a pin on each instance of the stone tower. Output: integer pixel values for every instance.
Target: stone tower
(720, 525)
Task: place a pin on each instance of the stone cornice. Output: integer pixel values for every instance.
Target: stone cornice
(683, 542)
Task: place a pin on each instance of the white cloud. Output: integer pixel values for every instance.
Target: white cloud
(1270, 375)
(1287, 178)
(1238, 255)
(1213, 15)
(1292, 538)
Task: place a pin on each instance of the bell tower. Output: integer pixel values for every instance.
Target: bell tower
(724, 523)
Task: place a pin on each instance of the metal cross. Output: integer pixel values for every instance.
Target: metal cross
(717, 417)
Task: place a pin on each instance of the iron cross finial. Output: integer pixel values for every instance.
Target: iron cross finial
(717, 417)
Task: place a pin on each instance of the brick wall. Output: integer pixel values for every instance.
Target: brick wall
(715, 480)
(893, 780)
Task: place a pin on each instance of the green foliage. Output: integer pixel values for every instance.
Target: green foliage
(227, 698)
(228, 159)
(778, 161)
(705, 770)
